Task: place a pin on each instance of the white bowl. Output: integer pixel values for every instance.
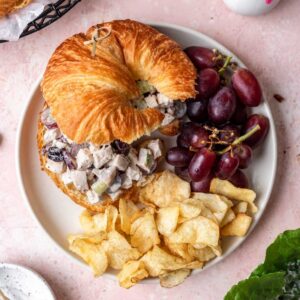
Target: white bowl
(20, 283)
(251, 7)
(58, 215)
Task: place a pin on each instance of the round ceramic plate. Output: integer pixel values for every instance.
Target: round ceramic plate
(20, 283)
(58, 215)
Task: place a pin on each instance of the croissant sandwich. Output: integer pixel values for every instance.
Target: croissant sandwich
(103, 91)
(9, 6)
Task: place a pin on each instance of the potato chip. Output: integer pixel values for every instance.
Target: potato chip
(238, 227)
(227, 201)
(240, 207)
(180, 250)
(174, 278)
(118, 250)
(144, 234)
(126, 209)
(190, 209)
(217, 250)
(230, 215)
(166, 220)
(214, 202)
(197, 230)
(131, 273)
(163, 189)
(92, 223)
(89, 248)
(226, 188)
(158, 262)
(205, 254)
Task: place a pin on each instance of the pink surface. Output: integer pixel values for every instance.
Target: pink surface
(269, 45)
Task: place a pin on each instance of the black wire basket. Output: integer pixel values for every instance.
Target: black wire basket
(51, 13)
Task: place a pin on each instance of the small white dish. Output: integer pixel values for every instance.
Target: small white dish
(251, 7)
(20, 283)
(59, 216)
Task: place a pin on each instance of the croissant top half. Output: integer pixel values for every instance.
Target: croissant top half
(90, 97)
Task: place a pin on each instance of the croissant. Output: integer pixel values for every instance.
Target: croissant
(9, 6)
(91, 97)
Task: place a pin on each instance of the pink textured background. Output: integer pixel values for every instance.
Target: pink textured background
(269, 45)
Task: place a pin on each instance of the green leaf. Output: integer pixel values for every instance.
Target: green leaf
(266, 287)
(284, 249)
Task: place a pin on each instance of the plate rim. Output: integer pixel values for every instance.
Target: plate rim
(30, 271)
(36, 87)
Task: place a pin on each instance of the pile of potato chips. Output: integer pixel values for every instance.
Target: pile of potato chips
(165, 233)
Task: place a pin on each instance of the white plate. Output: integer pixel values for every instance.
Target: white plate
(20, 283)
(58, 215)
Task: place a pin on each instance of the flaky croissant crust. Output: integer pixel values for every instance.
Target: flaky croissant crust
(9, 6)
(91, 97)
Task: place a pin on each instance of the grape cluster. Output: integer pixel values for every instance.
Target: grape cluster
(220, 138)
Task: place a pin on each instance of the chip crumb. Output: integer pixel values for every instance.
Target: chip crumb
(278, 97)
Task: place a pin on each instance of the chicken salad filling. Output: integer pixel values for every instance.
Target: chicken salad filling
(95, 170)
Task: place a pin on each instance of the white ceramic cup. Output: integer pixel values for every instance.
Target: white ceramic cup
(251, 7)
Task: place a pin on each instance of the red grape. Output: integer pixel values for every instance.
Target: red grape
(201, 57)
(247, 87)
(179, 157)
(244, 153)
(229, 133)
(227, 165)
(240, 115)
(208, 82)
(222, 106)
(202, 164)
(203, 185)
(259, 136)
(183, 173)
(199, 137)
(197, 110)
(184, 138)
(239, 179)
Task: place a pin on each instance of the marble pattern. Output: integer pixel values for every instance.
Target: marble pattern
(269, 45)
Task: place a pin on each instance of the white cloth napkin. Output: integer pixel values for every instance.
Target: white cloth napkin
(13, 25)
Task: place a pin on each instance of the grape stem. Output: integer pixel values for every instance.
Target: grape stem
(240, 139)
(226, 63)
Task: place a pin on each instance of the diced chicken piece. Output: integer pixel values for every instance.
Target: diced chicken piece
(84, 159)
(79, 180)
(146, 160)
(59, 144)
(151, 101)
(93, 197)
(57, 167)
(93, 148)
(51, 135)
(120, 162)
(156, 147)
(106, 175)
(115, 195)
(134, 173)
(46, 117)
(116, 185)
(163, 100)
(167, 119)
(133, 156)
(126, 182)
(66, 177)
(102, 156)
